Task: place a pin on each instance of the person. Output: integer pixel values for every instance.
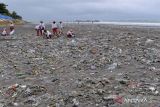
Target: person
(4, 32)
(47, 34)
(54, 28)
(41, 27)
(70, 34)
(60, 27)
(11, 26)
(37, 28)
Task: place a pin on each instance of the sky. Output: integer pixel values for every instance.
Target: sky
(69, 10)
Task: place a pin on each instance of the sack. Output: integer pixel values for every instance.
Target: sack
(12, 32)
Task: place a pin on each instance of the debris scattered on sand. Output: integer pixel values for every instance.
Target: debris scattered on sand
(100, 67)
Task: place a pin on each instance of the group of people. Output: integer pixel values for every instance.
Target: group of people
(57, 30)
(10, 31)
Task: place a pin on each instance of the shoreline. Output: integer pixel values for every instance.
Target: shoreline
(140, 24)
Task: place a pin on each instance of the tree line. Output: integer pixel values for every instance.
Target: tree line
(5, 11)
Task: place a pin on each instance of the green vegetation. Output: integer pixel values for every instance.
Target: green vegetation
(5, 11)
(15, 16)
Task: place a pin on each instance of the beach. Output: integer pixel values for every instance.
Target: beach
(102, 66)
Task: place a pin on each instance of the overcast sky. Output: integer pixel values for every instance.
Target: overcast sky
(47, 10)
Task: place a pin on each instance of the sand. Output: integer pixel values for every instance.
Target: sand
(103, 66)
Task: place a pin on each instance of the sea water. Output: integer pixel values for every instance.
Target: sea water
(152, 24)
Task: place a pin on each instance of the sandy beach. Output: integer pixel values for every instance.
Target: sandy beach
(103, 66)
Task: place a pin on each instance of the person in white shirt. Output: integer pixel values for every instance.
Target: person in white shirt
(41, 27)
(70, 34)
(60, 27)
(54, 28)
(4, 32)
(11, 26)
(47, 34)
(37, 29)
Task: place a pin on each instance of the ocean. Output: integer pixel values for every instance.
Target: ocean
(149, 24)
(132, 23)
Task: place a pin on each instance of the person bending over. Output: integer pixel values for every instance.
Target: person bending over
(70, 34)
(4, 32)
(37, 28)
(47, 34)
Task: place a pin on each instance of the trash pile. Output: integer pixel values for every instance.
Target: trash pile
(101, 67)
(19, 95)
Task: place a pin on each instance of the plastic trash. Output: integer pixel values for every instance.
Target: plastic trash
(31, 51)
(12, 32)
(112, 66)
(73, 42)
(1, 105)
(75, 102)
(93, 67)
(149, 41)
